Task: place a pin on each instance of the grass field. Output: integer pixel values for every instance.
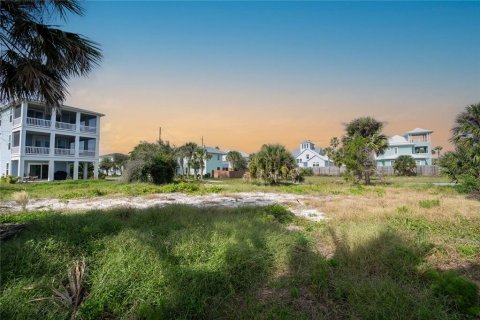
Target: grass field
(403, 250)
(313, 185)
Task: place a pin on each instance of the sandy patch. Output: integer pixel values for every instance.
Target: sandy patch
(295, 203)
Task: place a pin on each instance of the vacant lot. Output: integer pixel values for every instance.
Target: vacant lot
(392, 251)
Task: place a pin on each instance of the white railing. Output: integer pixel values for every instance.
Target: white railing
(65, 126)
(17, 121)
(15, 150)
(86, 153)
(38, 122)
(36, 150)
(88, 129)
(64, 152)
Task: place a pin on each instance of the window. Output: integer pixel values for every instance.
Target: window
(299, 160)
(308, 156)
(316, 164)
(396, 150)
(218, 157)
(6, 168)
(10, 114)
(9, 141)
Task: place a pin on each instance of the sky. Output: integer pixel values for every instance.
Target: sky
(242, 74)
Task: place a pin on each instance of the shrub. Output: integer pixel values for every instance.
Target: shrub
(461, 293)
(9, 179)
(279, 213)
(21, 198)
(306, 172)
(405, 166)
(468, 184)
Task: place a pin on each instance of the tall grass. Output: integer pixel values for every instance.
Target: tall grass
(180, 262)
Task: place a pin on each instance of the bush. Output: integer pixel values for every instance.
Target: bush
(461, 293)
(21, 198)
(279, 213)
(405, 166)
(306, 172)
(9, 179)
(429, 203)
(158, 168)
(468, 184)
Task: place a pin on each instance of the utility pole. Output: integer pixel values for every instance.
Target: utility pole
(202, 142)
(160, 134)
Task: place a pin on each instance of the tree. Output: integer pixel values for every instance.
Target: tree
(189, 149)
(334, 152)
(181, 154)
(106, 164)
(272, 163)
(119, 161)
(362, 141)
(463, 164)
(200, 157)
(405, 166)
(151, 162)
(437, 150)
(37, 59)
(236, 160)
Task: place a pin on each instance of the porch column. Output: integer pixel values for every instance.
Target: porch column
(51, 169)
(77, 122)
(75, 170)
(21, 168)
(95, 170)
(23, 113)
(85, 170)
(53, 119)
(52, 143)
(77, 146)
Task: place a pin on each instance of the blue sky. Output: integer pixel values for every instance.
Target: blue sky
(285, 71)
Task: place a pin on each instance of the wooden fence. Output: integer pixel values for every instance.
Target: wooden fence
(388, 171)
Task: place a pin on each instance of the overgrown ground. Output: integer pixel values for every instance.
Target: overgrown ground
(313, 185)
(398, 251)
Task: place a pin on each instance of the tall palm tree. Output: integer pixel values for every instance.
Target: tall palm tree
(189, 149)
(437, 150)
(466, 132)
(37, 59)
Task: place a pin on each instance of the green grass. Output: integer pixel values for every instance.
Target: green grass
(247, 263)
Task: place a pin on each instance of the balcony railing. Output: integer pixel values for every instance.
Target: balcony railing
(64, 152)
(15, 150)
(86, 153)
(37, 150)
(65, 126)
(37, 122)
(88, 129)
(17, 121)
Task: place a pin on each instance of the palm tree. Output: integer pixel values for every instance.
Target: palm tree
(271, 163)
(437, 150)
(37, 58)
(466, 132)
(189, 149)
(364, 139)
(201, 156)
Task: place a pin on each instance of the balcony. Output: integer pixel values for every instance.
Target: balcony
(37, 150)
(88, 129)
(64, 152)
(65, 126)
(38, 122)
(86, 153)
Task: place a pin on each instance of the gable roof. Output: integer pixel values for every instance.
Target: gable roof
(214, 150)
(398, 140)
(316, 154)
(419, 130)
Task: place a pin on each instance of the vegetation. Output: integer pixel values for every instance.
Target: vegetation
(405, 166)
(273, 163)
(236, 160)
(363, 139)
(463, 164)
(106, 165)
(184, 262)
(37, 58)
(151, 162)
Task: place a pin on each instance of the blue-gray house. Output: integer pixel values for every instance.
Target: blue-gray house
(415, 143)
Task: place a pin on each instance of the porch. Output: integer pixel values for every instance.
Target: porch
(51, 170)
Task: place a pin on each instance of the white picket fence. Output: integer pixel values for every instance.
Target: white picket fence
(388, 171)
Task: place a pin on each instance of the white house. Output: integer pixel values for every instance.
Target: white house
(114, 171)
(415, 143)
(309, 156)
(47, 144)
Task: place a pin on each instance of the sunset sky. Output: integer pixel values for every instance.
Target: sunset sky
(242, 74)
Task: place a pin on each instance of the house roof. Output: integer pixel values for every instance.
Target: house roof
(43, 104)
(307, 141)
(419, 130)
(316, 154)
(398, 140)
(215, 150)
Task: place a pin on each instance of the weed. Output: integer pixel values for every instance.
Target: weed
(21, 198)
(427, 204)
(403, 209)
